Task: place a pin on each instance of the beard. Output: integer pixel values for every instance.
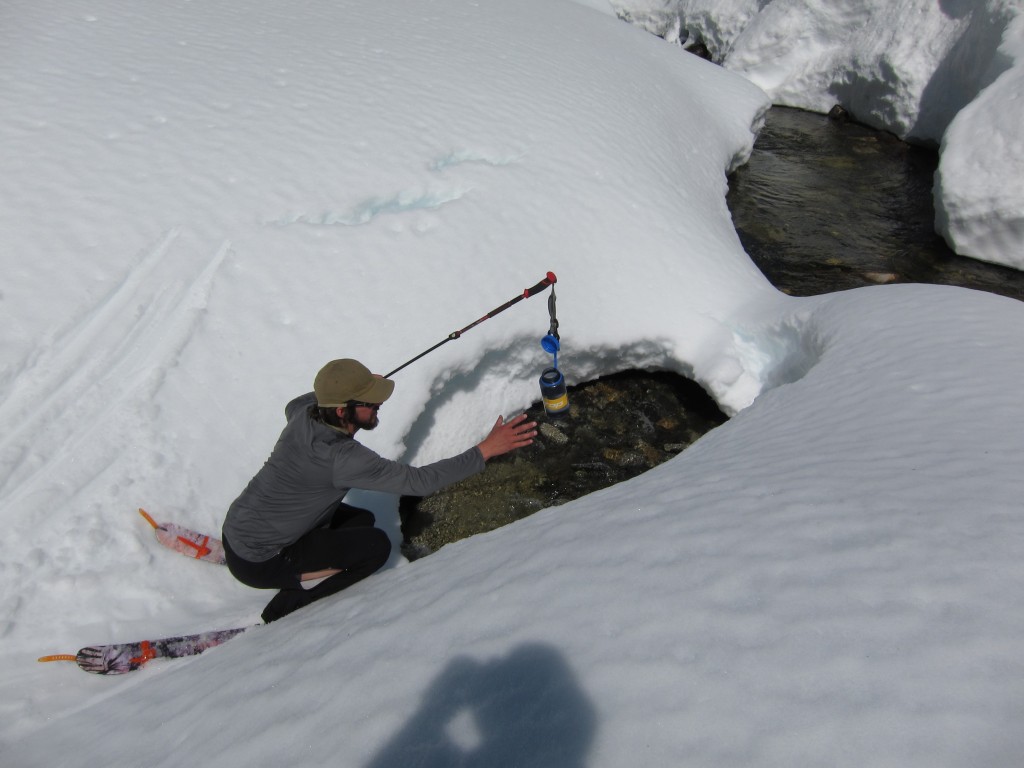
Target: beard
(367, 424)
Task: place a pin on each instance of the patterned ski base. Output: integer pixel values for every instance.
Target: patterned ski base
(190, 543)
(119, 658)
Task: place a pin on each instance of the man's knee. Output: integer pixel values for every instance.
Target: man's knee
(382, 545)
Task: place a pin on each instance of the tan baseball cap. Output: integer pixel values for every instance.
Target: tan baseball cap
(342, 381)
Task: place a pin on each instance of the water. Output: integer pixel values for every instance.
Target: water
(616, 428)
(821, 207)
(825, 205)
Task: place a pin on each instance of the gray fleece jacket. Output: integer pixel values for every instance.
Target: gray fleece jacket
(311, 468)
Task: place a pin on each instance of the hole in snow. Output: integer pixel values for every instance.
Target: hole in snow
(619, 426)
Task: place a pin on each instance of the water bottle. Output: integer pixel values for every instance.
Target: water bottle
(553, 393)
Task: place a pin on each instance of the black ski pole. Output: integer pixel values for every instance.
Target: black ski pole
(550, 279)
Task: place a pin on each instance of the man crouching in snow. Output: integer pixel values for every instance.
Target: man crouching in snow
(290, 525)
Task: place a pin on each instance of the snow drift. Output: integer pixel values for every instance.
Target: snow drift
(207, 201)
(930, 71)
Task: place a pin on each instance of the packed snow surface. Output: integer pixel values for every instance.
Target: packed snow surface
(949, 71)
(204, 202)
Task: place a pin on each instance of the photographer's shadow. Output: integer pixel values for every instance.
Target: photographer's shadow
(525, 709)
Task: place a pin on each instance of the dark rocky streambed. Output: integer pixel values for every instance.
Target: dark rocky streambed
(618, 427)
(822, 206)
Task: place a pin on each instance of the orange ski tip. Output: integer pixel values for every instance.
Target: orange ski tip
(149, 519)
(59, 657)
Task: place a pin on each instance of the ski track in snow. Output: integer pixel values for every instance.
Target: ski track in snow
(119, 351)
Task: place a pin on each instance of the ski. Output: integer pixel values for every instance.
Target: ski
(119, 658)
(198, 546)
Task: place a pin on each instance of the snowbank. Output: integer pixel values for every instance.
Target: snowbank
(206, 202)
(927, 70)
(979, 187)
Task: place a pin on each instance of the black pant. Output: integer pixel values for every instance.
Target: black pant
(349, 542)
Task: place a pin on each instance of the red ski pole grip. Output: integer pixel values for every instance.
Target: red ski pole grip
(549, 280)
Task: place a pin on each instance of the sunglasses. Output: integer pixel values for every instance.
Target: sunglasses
(365, 405)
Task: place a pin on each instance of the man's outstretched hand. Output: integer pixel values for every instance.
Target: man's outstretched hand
(508, 435)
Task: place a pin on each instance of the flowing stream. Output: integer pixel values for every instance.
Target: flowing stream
(822, 206)
(825, 205)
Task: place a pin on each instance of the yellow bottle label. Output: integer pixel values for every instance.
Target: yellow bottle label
(557, 403)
